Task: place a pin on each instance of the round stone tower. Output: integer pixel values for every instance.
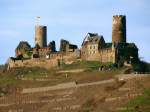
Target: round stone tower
(119, 29)
(41, 36)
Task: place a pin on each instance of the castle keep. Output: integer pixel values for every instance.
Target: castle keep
(93, 48)
(119, 29)
(41, 36)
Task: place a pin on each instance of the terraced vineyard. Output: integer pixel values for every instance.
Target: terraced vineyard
(108, 95)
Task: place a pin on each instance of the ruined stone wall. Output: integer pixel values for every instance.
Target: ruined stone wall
(71, 57)
(32, 63)
(119, 29)
(63, 45)
(53, 61)
(66, 57)
(41, 36)
(52, 46)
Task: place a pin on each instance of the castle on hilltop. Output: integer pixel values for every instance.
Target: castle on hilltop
(93, 48)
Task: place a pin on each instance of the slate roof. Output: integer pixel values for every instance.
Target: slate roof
(92, 38)
(23, 45)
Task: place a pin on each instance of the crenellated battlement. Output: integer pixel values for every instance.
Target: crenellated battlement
(119, 18)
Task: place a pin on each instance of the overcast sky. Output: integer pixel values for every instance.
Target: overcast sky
(71, 20)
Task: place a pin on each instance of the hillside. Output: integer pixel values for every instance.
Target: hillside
(79, 87)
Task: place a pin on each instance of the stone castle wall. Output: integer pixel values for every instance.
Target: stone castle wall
(107, 55)
(32, 63)
(103, 55)
(54, 61)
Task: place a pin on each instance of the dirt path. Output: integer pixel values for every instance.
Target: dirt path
(72, 71)
(75, 85)
(64, 86)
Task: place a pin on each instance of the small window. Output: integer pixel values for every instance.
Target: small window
(94, 47)
(90, 47)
